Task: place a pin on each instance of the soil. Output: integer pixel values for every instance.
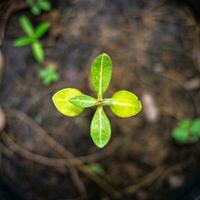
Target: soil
(155, 50)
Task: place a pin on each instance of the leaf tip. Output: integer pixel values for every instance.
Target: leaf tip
(140, 105)
(106, 55)
(47, 24)
(101, 146)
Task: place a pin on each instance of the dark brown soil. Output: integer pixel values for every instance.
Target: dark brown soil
(155, 50)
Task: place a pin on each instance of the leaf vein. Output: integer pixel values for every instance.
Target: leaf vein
(100, 124)
(123, 104)
(100, 78)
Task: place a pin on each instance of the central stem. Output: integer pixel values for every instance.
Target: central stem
(99, 101)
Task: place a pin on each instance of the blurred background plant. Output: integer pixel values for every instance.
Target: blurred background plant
(187, 131)
(96, 168)
(33, 37)
(37, 6)
(48, 75)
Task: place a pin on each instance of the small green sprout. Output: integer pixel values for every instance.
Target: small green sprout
(32, 38)
(96, 168)
(187, 132)
(37, 6)
(48, 75)
(71, 102)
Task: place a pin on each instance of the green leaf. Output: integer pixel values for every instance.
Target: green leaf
(195, 127)
(35, 10)
(30, 2)
(96, 168)
(61, 102)
(101, 73)
(26, 25)
(45, 5)
(185, 124)
(187, 131)
(38, 51)
(83, 101)
(100, 129)
(125, 104)
(41, 29)
(23, 41)
(48, 75)
(180, 135)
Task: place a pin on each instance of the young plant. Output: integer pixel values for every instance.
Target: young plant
(71, 102)
(32, 37)
(96, 168)
(187, 131)
(48, 75)
(37, 6)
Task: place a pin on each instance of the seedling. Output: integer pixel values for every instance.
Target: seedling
(187, 131)
(32, 38)
(37, 6)
(48, 75)
(96, 168)
(71, 102)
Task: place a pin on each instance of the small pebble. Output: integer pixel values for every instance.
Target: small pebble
(176, 181)
(150, 107)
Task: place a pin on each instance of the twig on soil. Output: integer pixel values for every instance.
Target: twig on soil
(53, 144)
(15, 148)
(44, 160)
(49, 161)
(71, 161)
(9, 152)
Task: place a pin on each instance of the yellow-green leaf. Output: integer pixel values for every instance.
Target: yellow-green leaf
(125, 104)
(100, 129)
(61, 101)
(83, 101)
(101, 73)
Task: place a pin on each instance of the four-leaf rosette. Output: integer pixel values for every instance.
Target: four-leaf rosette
(71, 102)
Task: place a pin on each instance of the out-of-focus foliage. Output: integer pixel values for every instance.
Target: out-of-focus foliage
(48, 75)
(32, 37)
(37, 6)
(96, 168)
(187, 131)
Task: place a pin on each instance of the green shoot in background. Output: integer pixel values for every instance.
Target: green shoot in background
(96, 168)
(187, 131)
(71, 102)
(32, 37)
(37, 6)
(48, 75)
